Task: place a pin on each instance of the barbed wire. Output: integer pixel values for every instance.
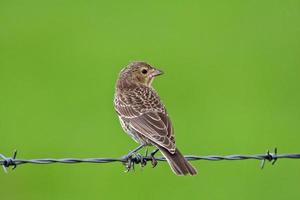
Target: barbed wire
(137, 158)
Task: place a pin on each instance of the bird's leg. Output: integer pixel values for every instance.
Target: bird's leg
(153, 160)
(134, 150)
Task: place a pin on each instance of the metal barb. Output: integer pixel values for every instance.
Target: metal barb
(9, 161)
(4, 163)
(14, 157)
(271, 157)
(275, 156)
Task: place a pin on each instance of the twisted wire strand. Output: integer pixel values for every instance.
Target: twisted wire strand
(7, 162)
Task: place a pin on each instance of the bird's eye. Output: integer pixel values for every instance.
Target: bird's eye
(144, 71)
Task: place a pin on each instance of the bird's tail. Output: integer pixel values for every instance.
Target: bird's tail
(178, 163)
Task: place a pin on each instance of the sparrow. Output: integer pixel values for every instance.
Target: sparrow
(144, 117)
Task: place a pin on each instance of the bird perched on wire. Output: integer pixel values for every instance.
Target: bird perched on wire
(144, 117)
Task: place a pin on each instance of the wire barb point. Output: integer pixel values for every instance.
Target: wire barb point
(9, 161)
(271, 157)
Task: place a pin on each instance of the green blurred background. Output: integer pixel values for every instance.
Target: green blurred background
(231, 86)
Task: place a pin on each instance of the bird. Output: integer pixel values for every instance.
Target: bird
(144, 117)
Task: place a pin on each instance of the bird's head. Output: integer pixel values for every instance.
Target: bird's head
(140, 73)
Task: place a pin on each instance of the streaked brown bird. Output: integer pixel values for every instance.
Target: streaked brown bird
(144, 117)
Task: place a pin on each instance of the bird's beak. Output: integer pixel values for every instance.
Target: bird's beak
(157, 72)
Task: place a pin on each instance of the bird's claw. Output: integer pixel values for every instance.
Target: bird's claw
(136, 158)
(132, 159)
(128, 162)
(153, 160)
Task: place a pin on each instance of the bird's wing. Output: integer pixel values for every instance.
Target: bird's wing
(146, 114)
(154, 128)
